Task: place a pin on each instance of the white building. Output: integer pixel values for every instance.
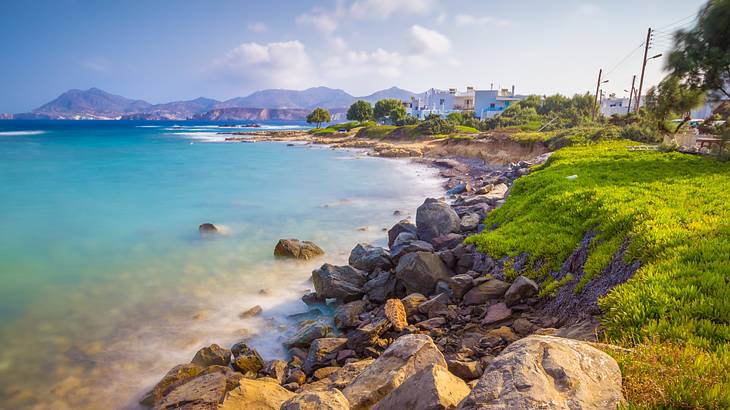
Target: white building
(491, 103)
(615, 106)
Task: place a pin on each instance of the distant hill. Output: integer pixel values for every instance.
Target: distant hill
(261, 105)
(90, 103)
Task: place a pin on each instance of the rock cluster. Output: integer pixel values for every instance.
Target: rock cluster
(427, 323)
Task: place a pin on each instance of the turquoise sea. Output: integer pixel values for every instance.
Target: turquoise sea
(105, 282)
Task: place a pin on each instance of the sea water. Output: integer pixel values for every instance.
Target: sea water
(105, 282)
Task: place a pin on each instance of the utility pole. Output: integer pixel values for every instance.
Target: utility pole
(643, 68)
(631, 95)
(595, 100)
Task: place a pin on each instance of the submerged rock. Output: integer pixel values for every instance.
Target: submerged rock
(548, 372)
(296, 249)
(435, 218)
(432, 388)
(404, 358)
(208, 229)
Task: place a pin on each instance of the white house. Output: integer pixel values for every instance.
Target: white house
(615, 106)
(490, 103)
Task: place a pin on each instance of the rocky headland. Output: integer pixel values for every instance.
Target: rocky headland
(427, 322)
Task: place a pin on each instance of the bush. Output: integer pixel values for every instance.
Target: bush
(641, 133)
(437, 125)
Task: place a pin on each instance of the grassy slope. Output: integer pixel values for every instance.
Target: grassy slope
(676, 209)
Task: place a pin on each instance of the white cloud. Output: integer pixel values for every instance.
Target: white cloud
(362, 64)
(281, 64)
(588, 9)
(441, 18)
(257, 27)
(383, 9)
(469, 20)
(426, 41)
(98, 64)
(323, 22)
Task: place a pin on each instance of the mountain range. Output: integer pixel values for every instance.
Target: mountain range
(275, 104)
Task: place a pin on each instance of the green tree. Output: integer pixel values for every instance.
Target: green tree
(318, 116)
(701, 55)
(672, 97)
(455, 117)
(389, 109)
(360, 111)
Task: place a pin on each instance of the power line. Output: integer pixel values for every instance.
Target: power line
(623, 60)
(694, 16)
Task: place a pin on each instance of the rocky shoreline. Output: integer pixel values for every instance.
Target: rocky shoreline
(426, 323)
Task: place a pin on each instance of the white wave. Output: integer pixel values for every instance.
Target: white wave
(201, 136)
(18, 133)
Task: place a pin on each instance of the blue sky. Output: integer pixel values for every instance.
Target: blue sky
(164, 50)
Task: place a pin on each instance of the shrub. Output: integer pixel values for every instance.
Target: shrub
(434, 126)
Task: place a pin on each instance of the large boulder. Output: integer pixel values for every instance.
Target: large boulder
(435, 218)
(420, 271)
(432, 388)
(404, 358)
(489, 290)
(347, 314)
(322, 352)
(409, 246)
(341, 282)
(296, 249)
(402, 226)
(212, 355)
(175, 376)
(368, 258)
(260, 394)
(546, 372)
(331, 399)
(521, 289)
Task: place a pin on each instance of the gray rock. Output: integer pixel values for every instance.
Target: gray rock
(440, 299)
(323, 352)
(546, 372)
(307, 333)
(460, 284)
(521, 289)
(447, 241)
(341, 282)
(496, 313)
(470, 221)
(368, 258)
(435, 218)
(403, 226)
(381, 287)
(404, 358)
(296, 249)
(489, 290)
(420, 271)
(346, 315)
(407, 247)
(403, 238)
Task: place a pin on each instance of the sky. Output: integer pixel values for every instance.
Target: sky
(166, 50)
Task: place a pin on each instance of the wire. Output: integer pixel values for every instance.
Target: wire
(694, 15)
(623, 60)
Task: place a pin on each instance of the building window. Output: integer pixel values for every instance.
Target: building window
(491, 105)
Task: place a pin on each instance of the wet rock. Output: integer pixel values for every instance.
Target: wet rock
(403, 226)
(381, 287)
(212, 355)
(208, 229)
(404, 358)
(395, 312)
(435, 218)
(420, 271)
(254, 311)
(296, 249)
(408, 247)
(276, 369)
(412, 302)
(460, 284)
(346, 315)
(260, 394)
(175, 376)
(521, 289)
(459, 189)
(368, 258)
(341, 282)
(323, 352)
(431, 388)
(447, 241)
(465, 369)
(331, 399)
(496, 313)
(489, 290)
(311, 298)
(307, 333)
(246, 360)
(548, 372)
